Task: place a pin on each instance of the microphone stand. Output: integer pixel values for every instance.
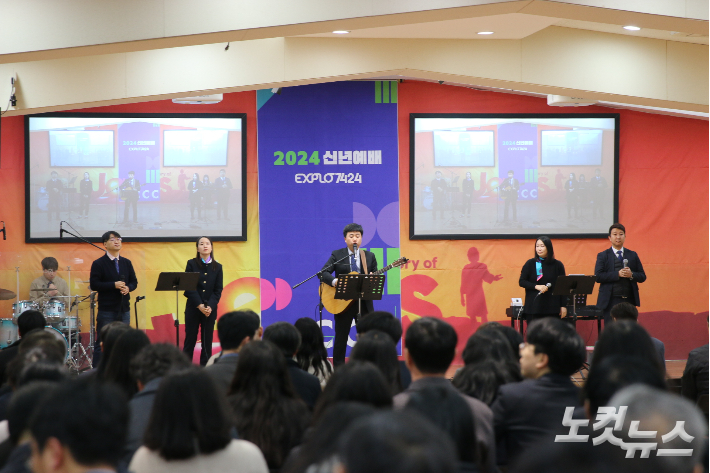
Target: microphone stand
(135, 308)
(81, 238)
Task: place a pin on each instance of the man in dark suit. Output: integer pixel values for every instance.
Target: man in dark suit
(27, 321)
(113, 277)
(130, 191)
(626, 311)
(598, 184)
(223, 186)
(353, 236)
(235, 329)
(288, 339)
(618, 271)
(54, 192)
(509, 191)
(531, 410)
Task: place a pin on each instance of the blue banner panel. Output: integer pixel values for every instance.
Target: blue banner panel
(327, 157)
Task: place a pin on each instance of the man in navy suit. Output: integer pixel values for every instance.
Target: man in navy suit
(353, 236)
(618, 271)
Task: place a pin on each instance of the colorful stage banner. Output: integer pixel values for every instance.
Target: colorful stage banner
(327, 157)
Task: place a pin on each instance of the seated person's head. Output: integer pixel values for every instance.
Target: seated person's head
(627, 338)
(237, 328)
(625, 311)
(30, 320)
(377, 347)
(482, 380)
(552, 346)
(487, 345)
(22, 404)
(383, 321)
(80, 425)
(50, 263)
(38, 346)
(513, 336)
(285, 336)
(155, 361)
(430, 346)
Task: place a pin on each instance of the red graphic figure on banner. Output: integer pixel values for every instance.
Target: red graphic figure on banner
(182, 177)
(472, 277)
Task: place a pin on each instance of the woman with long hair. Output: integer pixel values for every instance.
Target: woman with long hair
(312, 355)
(201, 306)
(189, 430)
(117, 370)
(538, 278)
(378, 348)
(267, 410)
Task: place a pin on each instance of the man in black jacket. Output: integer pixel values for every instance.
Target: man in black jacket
(343, 321)
(113, 277)
(130, 192)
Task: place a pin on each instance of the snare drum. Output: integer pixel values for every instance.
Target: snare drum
(69, 323)
(8, 332)
(56, 333)
(20, 307)
(54, 311)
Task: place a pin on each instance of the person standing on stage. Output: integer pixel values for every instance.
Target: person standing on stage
(201, 306)
(618, 271)
(509, 189)
(207, 193)
(54, 192)
(49, 280)
(222, 184)
(467, 190)
(194, 187)
(113, 278)
(537, 272)
(130, 191)
(438, 192)
(85, 189)
(353, 236)
(597, 185)
(571, 186)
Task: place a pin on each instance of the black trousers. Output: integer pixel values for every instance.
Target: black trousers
(194, 320)
(514, 204)
(222, 206)
(132, 203)
(343, 323)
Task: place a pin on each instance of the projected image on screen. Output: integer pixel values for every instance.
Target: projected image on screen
(477, 176)
(149, 177)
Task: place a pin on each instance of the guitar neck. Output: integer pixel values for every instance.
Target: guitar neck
(383, 270)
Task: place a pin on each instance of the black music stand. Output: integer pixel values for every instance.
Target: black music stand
(573, 286)
(360, 286)
(177, 282)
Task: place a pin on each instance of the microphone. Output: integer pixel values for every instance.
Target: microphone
(140, 298)
(354, 247)
(626, 263)
(548, 285)
(61, 230)
(4, 235)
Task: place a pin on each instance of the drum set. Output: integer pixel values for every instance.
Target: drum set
(62, 323)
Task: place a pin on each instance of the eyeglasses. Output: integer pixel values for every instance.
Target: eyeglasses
(49, 270)
(115, 239)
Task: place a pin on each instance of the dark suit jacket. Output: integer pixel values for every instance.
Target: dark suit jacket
(7, 354)
(530, 411)
(222, 371)
(544, 303)
(344, 268)
(694, 382)
(102, 279)
(136, 187)
(607, 276)
(307, 386)
(209, 286)
(140, 408)
(661, 350)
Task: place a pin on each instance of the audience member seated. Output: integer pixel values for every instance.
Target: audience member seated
(79, 427)
(694, 383)
(107, 338)
(355, 381)
(661, 413)
(487, 345)
(627, 311)
(395, 442)
(319, 450)
(312, 356)
(119, 360)
(27, 321)
(377, 347)
(449, 412)
(288, 339)
(513, 336)
(627, 338)
(234, 329)
(482, 380)
(576, 458)
(388, 323)
(189, 431)
(532, 410)
(267, 410)
(147, 368)
(430, 346)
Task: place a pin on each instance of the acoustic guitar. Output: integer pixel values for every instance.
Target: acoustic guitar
(336, 306)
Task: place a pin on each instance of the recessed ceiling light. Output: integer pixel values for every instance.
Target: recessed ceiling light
(631, 28)
(485, 32)
(340, 32)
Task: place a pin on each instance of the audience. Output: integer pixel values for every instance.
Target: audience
(27, 321)
(694, 383)
(513, 336)
(628, 311)
(377, 347)
(627, 338)
(532, 410)
(388, 323)
(355, 381)
(489, 345)
(482, 380)
(312, 356)
(288, 339)
(395, 442)
(148, 368)
(119, 360)
(234, 329)
(80, 426)
(267, 410)
(108, 336)
(430, 346)
(189, 431)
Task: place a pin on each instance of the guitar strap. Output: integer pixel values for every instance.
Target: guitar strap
(363, 261)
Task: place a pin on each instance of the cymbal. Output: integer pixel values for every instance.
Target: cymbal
(6, 295)
(42, 289)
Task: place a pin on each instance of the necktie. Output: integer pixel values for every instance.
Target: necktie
(116, 261)
(620, 256)
(353, 263)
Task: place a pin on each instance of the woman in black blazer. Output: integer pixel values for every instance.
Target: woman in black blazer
(201, 306)
(537, 272)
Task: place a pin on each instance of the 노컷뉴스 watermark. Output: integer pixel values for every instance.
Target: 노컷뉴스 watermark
(605, 415)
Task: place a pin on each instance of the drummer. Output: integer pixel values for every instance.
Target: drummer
(49, 280)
